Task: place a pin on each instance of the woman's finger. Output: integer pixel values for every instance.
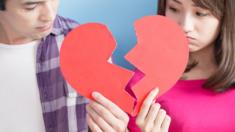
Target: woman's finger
(147, 103)
(159, 119)
(153, 112)
(166, 124)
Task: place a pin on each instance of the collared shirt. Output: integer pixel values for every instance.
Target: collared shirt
(63, 108)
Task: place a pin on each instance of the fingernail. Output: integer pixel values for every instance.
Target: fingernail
(156, 90)
(95, 94)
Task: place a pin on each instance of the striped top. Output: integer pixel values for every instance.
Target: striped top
(63, 108)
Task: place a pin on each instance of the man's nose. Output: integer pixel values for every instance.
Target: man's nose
(47, 13)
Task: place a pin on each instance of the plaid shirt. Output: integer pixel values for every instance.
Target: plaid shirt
(63, 108)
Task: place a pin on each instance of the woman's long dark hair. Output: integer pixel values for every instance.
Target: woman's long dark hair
(224, 78)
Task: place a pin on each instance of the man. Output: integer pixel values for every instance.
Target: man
(34, 96)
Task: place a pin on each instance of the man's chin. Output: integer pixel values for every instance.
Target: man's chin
(41, 35)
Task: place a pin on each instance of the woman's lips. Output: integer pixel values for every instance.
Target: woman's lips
(190, 38)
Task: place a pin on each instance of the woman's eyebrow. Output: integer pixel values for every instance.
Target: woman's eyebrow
(177, 1)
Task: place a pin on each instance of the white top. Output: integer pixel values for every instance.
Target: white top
(20, 107)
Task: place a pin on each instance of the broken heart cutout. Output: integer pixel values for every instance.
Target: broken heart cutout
(161, 54)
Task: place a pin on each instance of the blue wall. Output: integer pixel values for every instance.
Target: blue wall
(118, 15)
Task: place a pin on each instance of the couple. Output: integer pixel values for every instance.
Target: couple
(35, 96)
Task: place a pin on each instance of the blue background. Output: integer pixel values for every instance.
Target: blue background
(118, 15)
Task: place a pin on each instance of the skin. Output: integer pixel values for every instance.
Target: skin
(27, 20)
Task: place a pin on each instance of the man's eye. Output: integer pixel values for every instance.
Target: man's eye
(31, 7)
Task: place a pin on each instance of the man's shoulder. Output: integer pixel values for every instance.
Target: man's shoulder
(63, 24)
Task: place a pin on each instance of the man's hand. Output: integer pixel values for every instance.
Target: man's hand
(105, 116)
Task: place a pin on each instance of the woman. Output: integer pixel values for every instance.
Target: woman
(204, 98)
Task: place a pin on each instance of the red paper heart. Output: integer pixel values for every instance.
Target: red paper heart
(84, 63)
(161, 54)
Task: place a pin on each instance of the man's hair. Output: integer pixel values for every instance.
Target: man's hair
(2, 4)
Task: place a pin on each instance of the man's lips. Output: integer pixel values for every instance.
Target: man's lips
(44, 28)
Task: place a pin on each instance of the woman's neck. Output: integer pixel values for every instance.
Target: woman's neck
(206, 64)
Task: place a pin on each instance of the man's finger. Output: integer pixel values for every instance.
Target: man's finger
(92, 125)
(113, 108)
(104, 114)
(98, 120)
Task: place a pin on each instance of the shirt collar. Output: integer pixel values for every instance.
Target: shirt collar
(57, 27)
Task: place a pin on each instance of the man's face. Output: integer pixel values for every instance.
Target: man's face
(28, 19)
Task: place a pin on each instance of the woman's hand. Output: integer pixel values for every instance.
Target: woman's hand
(105, 116)
(151, 117)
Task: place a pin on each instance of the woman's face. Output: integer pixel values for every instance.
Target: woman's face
(199, 25)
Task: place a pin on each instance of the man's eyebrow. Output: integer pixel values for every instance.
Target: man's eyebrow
(31, 2)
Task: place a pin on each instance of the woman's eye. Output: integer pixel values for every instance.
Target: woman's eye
(201, 14)
(173, 9)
